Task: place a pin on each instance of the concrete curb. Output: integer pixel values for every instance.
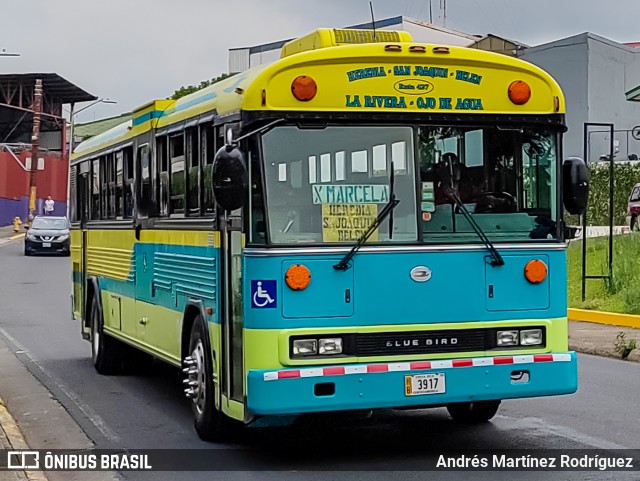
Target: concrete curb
(16, 439)
(17, 236)
(44, 422)
(598, 339)
(601, 317)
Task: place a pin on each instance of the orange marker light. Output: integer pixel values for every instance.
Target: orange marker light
(304, 88)
(298, 277)
(519, 92)
(535, 271)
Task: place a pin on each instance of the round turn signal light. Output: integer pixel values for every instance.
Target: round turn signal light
(298, 277)
(519, 92)
(535, 271)
(304, 88)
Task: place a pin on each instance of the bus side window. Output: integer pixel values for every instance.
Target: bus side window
(104, 190)
(193, 171)
(119, 184)
(111, 186)
(177, 176)
(83, 187)
(208, 152)
(95, 189)
(145, 203)
(163, 176)
(73, 194)
(128, 182)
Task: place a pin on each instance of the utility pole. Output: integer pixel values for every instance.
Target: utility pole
(35, 143)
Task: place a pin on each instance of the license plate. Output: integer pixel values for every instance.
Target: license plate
(420, 384)
(46, 244)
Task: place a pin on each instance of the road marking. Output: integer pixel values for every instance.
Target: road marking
(17, 236)
(87, 410)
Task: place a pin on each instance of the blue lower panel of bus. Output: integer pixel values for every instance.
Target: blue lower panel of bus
(336, 388)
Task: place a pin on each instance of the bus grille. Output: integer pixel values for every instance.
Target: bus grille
(424, 342)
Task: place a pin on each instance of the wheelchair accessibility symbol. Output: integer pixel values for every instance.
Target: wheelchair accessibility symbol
(264, 294)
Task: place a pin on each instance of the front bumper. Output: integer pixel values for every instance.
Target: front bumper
(372, 386)
(54, 247)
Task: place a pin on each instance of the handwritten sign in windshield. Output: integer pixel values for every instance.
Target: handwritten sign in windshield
(347, 222)
(350, 194)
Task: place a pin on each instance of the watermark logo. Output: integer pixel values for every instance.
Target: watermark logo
(23, 460)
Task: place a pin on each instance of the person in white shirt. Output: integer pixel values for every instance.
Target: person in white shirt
(48, 206)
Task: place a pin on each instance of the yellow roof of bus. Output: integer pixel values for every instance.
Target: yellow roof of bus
(386, 76)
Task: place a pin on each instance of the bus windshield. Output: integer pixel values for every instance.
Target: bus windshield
(328, 184)
(505, 177)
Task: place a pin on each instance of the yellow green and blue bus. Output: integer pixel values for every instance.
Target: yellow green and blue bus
(368, 222)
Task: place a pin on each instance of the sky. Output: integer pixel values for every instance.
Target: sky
(133, 51)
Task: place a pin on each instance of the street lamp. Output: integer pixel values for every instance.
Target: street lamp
(4, 53)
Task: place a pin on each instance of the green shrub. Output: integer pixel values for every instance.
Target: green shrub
(623, 346)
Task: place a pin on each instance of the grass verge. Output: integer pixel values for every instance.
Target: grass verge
(622, 294)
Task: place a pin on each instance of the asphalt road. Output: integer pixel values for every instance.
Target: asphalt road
(149, 411)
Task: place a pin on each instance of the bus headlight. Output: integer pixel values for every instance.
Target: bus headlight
(305, 347)
(330, 346)
(531, 337)
(507, 338)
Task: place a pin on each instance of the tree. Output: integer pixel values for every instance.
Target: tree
(186, 90)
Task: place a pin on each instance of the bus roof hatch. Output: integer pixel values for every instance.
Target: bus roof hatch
(333, 37)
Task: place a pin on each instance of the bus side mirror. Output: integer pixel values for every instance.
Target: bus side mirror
(230, 179)
(575, 185)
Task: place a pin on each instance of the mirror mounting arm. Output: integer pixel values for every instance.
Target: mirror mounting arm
(231, 142)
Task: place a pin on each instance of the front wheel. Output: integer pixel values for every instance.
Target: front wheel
(473, 412)
(210, 424)
(634, 224)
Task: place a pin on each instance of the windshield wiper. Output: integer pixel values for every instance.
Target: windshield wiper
(343, 265)
(497, 258)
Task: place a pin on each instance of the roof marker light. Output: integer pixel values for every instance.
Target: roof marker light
(393, 48)
(440, 49)
(519, 92)
(304, 88)
(418, 49)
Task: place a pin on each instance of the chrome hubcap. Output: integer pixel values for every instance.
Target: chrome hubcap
(195, 377)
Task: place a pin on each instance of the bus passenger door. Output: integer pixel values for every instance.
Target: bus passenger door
(232, 318)
(83, 189)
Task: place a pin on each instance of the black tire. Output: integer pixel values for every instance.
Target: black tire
(473, 412)
(27, 252)
(633, 225)
(106, 352)
(210, 424)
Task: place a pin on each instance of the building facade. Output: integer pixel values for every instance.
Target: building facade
(595, 74)
(51, 168)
